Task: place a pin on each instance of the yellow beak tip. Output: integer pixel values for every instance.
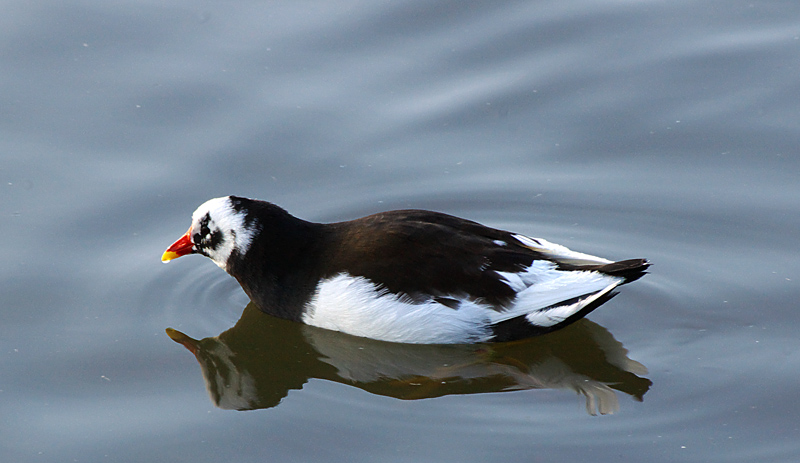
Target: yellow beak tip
(168, 256)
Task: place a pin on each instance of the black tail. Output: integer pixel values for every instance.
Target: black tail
(631, 269)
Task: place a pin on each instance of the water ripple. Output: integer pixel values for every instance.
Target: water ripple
(203, 296)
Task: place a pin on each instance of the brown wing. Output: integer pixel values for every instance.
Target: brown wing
(423, 254)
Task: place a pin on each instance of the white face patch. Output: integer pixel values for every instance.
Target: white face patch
(218, 229)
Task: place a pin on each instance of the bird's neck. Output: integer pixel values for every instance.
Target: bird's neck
(280, 270)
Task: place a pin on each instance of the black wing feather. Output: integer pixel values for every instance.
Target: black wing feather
(423, 254)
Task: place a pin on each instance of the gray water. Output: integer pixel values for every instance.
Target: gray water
(658, 129)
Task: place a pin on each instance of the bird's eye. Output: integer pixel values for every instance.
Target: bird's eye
(203, 237)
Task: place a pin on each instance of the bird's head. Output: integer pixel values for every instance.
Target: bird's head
(220, 227)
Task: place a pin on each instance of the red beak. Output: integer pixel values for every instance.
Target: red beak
(179, 248)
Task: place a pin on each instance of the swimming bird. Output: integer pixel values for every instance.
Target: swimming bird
(410, 276)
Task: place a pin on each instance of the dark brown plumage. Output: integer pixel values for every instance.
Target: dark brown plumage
(403, 264)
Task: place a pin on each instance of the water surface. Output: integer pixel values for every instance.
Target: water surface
(666, 130)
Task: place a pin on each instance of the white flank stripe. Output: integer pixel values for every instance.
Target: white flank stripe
(354, 305)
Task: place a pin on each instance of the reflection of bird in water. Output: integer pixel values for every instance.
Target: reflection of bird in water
(403, 276)
(255, 363)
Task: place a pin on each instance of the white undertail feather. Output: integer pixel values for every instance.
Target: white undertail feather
(560, 313)
(559, 252)
(541, 285)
